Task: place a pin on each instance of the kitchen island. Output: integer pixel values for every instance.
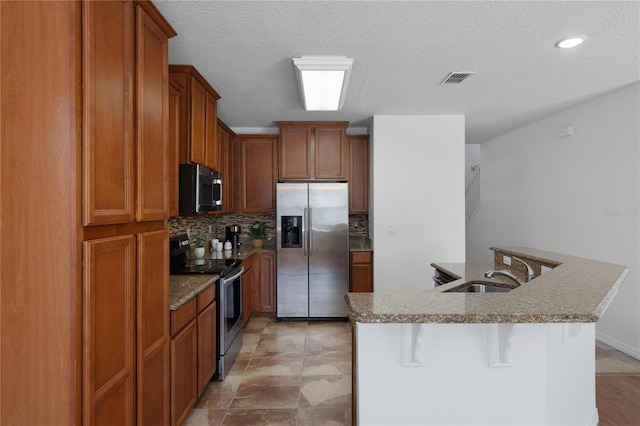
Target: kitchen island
(526, 356)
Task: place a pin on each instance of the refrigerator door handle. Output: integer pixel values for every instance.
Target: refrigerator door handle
(305, 232)
(310, 228)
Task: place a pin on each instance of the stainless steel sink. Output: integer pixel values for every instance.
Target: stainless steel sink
(479, 287)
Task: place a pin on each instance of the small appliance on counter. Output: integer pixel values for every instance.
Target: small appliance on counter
(232, 234)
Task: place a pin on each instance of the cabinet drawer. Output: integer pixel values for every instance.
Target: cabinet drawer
(361, 257)
(182, 316)
(205, 297)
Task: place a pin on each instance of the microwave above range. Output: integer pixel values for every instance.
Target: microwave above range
(200, 189)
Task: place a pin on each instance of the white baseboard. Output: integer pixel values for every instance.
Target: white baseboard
(595, 418)
(619, 345)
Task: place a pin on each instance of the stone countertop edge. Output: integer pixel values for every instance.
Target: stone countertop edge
(360, 244)
(578, 290)
(184, 287)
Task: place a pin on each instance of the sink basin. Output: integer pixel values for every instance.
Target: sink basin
(479, 287)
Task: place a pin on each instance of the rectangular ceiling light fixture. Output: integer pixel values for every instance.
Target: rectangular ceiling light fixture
(322, 81)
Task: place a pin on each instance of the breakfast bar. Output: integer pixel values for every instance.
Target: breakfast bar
(524, 356)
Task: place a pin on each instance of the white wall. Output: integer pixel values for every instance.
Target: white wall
(418, 187)
(577, 195)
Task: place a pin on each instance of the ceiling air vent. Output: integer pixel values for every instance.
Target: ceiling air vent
(457, 77)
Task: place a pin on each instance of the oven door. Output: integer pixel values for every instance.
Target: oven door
(229, 309)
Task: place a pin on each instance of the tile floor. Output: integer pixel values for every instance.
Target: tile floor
(299, 374)
(610, 360)
(287, 373)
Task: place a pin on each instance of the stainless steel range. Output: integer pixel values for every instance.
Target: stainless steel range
(228, 296)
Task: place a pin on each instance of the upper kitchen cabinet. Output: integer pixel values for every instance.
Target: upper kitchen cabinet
(175, 89)
(359, 174)
(125, 57)
(256, 157)
(226, 137)
(152, 113)
(198, 118)
(313, 150)
(108, 138)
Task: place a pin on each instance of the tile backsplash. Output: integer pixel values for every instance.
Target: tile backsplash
(358, 225)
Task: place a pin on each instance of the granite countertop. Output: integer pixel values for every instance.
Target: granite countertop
(184, 287)
(578, 290)
(360, 244)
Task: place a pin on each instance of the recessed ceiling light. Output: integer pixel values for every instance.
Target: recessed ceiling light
(571, 42)
(322, 81)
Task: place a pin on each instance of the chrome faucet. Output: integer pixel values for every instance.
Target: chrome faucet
(492, 273)
(530, 274)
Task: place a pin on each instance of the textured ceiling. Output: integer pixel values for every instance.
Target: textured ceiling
(402, 50)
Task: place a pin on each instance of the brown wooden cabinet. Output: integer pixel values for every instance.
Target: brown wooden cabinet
(98, 92)
(153, 327)
(194, 351)
(207, 346)
(112, 32)
(108, 138)
(227, 167)
(313, 151)
(152, 118)
(359, 174)
(175, 89)
(247, 288)
(109, 41)
(109, 332)
(198, 117)
(361, 271)
(256, 157)
(212, 146)
(184, 361)
(265, 289)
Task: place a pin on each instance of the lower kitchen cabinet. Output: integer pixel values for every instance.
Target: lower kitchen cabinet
(207, 346)
(361, 271)
(153, 336)
(184, 372)
(248, 280)
(266, 287)
(193, 351)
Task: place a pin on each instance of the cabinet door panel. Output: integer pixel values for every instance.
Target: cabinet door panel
(198, 121)
(330, 153)
(152, 119)
(184, 374)
(359, 174)
(174, 145)
(212, 147)
(267, 279)
(107, 39)
(207, 347)
(296, 153)
(258, 162)
(109, 330)
(153, 328)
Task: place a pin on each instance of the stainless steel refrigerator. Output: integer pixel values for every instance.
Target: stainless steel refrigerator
(312, 249)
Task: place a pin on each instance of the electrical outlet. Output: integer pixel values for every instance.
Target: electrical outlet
(392, 230)
(211, 229)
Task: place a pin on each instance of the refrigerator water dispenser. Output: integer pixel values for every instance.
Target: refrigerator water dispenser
(291, 231)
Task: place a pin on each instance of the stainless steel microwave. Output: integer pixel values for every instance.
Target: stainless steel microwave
(200, 189)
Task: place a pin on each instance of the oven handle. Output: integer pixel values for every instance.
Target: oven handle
(233, 277)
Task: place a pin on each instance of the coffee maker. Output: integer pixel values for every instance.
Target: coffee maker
(232, 234)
